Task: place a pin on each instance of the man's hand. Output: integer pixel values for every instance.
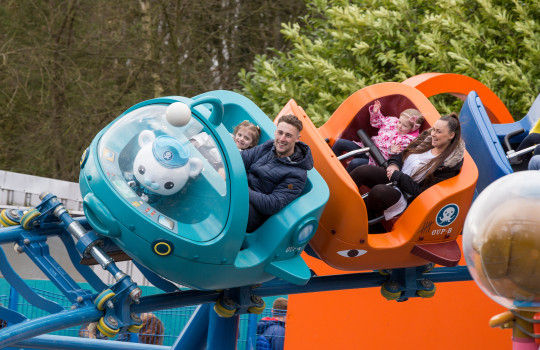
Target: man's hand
(390, 170)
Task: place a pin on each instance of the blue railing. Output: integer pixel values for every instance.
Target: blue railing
(173, 320)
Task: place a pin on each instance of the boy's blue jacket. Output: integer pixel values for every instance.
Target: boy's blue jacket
(270, 334)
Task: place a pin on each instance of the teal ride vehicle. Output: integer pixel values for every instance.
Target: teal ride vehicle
(162, 200)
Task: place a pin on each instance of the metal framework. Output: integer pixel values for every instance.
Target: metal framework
(114, 307)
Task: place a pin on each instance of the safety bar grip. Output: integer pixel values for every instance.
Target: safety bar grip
(508, 136)
(373, 149)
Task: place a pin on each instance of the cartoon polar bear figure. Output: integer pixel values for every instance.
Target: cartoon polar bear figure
(161, 167)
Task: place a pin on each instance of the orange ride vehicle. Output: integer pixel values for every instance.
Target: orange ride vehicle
(424, 233)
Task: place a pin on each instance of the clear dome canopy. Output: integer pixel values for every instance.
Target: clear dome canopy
(173, 175)
(501, 240)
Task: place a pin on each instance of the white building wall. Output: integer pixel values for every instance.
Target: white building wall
(21, 191)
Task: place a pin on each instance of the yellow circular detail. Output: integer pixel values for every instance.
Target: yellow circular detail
(106, 330)
(102, 298)
(6, 219)
(135, 328)
(28, 218)
(162, 253)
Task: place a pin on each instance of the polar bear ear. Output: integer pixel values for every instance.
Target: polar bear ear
(146, 136)
(195, 167)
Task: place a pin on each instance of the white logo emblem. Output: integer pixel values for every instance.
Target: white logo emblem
(167, 155)
(447, 215)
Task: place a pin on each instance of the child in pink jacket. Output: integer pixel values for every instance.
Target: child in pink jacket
(394, 135)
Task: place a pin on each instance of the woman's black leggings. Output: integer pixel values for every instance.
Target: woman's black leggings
(381, 196)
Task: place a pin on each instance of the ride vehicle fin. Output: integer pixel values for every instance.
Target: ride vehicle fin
(293, 270)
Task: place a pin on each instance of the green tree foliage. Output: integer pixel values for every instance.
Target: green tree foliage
(342, 46)
(68, 68)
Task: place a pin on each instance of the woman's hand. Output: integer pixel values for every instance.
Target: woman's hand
(390, 170)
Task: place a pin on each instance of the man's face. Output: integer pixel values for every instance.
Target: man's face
(285, 137)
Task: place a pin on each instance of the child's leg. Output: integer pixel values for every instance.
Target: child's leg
(356, 162)
(529, 140)
(537, 150)
(341, 146)
(534, 163)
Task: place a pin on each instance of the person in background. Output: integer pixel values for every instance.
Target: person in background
(271, 330)
(151, 332)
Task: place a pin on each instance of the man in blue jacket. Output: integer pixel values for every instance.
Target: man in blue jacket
(276, 171)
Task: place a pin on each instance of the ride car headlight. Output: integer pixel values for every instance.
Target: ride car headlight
(305, 232)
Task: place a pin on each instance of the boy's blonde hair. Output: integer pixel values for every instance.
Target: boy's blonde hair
(251, 127)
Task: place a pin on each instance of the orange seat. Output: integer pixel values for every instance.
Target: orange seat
(342, 239)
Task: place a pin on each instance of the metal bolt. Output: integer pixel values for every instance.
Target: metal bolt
(256, 299)
(135, 294)
(18, 248)
(392, 285)
(227, 303)
(14, 214)
(112, 321)
(426, 283)
(26, 241)
(135, 317)
(43, 194)
(80, 299)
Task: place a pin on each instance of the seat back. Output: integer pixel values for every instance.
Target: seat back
(482, 142)
(534, 115)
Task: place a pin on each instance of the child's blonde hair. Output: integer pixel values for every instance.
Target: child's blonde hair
(251, 127)
(415, 118)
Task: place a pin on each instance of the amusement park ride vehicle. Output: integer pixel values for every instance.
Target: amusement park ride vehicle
(416, 237)
(152, 196)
